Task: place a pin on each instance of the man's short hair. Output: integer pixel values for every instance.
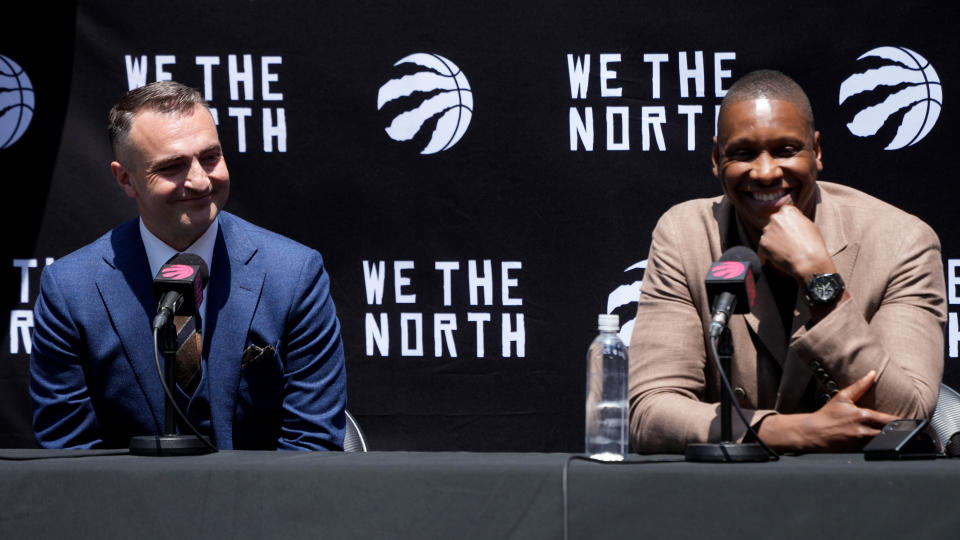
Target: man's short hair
(163, 96)
(769, 84)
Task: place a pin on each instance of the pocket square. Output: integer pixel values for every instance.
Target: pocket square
(254, 354)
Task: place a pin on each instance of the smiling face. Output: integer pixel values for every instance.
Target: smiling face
(766, 155)
(173, 166)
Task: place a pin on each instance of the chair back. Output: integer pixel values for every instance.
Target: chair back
(946, 420)
(353, 439)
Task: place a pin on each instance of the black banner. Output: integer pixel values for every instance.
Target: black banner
(482, 180)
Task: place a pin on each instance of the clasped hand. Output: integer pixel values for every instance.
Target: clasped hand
(839, 426)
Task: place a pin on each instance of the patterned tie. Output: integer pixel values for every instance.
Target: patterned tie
(188, 356)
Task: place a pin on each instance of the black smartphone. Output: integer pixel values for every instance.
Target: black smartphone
(907, 438)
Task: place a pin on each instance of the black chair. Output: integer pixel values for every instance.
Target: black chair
(946, 420)
(353, 439)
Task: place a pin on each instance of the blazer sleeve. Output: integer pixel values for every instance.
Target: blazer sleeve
(314, 392)
(63, 414)
(895, 328)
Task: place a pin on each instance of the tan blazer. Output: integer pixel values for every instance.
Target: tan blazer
(893, 323)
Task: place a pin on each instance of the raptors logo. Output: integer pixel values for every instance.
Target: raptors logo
(904, 90)
(177, 271)
(728, 270)
(434, 98)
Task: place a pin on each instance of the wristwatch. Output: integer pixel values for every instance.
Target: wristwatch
(824, 289)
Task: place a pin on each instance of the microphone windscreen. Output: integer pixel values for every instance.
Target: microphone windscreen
(736, 272)
(190, 259)
(186, 274)
(744, 255)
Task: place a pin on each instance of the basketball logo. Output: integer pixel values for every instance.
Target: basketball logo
(623, 299)
(16, 102)
(728, 270)
(438, 95)
(910, 89)
(177, 271)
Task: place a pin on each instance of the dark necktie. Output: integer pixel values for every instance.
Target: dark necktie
(188, 356)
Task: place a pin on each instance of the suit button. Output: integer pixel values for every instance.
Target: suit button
(832, 387)
(822, 399)
(814, 364)
(740, 393)
(822, 373)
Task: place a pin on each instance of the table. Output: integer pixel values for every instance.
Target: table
(237, 494)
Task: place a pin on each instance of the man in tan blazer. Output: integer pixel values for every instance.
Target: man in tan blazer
(820, 363)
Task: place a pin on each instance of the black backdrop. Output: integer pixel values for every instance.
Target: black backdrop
(553, 231)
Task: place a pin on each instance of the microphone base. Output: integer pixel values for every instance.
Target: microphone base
(726, 452)
(168, 445)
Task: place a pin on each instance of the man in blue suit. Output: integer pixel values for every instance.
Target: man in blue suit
(272, 369)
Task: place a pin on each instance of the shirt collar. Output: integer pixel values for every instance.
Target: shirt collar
(158, 252)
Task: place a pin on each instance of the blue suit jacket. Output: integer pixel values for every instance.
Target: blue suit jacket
(94, 382)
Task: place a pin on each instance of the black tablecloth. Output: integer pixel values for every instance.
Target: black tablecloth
(94, 494)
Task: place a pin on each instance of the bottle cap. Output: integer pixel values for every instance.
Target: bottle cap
(609, 323)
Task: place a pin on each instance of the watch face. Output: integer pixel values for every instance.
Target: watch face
(824, 290)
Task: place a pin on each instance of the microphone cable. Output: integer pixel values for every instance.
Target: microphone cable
(733, 400)
(169, 394)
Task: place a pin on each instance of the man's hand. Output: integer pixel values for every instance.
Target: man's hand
(839, 426)
(792, 243)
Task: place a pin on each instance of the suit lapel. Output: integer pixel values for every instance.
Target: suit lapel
(234, 291)
(126, 289)
(830, 222)
(796, 374)
(764, 317)
(764, 320)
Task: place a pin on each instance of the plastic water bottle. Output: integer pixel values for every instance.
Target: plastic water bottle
(606, 433)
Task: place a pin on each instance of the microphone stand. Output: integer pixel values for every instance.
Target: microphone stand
(727, 450)
(170, 443)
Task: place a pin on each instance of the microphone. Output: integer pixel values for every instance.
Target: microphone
(178, 288)
(731, 285)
